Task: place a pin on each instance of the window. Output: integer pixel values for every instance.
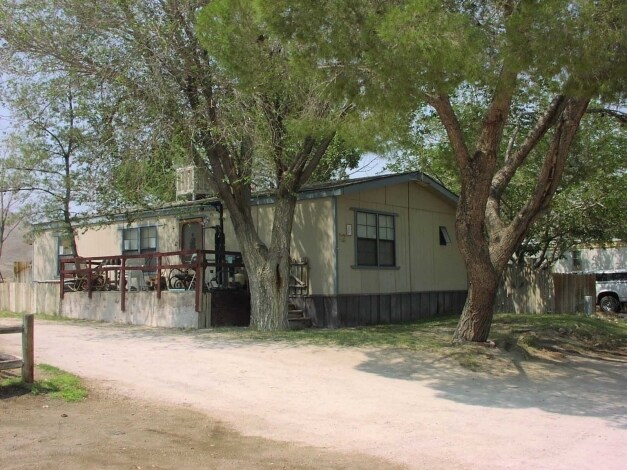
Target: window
(445, 238)
(576, 260)
(139, 240)
(375, 239)
(64, 250)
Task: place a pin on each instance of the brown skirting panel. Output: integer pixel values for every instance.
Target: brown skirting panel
(328, 311)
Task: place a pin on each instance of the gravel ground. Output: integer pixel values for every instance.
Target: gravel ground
(413, 409)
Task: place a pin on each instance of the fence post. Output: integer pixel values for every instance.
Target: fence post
(159, 262)
(123, 285)
(28, 349)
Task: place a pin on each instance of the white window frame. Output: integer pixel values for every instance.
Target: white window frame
(140, 238)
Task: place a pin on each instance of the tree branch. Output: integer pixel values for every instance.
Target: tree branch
(620, 116)
(547, 182)
(442, 105)
(35, 170)
(313, 162)
(543, 124)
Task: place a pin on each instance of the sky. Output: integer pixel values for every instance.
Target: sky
(369, 165)
(5, 119)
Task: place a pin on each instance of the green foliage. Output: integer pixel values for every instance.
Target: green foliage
(12, 200)
(438, 47)
(588, 205)
(338, 160)
(278, 105)
(123, 152)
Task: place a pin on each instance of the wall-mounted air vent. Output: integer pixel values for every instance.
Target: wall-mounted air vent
(192, 183)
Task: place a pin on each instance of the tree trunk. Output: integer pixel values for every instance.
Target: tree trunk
(476, 319)
(268, 267)
(269, 292)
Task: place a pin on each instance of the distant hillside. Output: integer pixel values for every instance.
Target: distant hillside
(14, 249)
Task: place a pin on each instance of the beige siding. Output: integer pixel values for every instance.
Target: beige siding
(422, 263)
(312, 238)
(99, 240)
(45, 257)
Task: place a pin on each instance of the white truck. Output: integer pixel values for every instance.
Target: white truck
(611, 288)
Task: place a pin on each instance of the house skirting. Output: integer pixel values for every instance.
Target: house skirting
(336, 311)
(173, 310)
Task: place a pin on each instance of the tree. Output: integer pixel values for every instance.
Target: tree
(230, 106)
(505, 57)
(52, 155)
(586, 208)
(11, 201)
(589, 204)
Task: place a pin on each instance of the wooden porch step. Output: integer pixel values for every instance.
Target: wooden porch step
(299, 323)
(295, 313)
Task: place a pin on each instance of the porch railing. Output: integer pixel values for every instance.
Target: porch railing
(174, 270)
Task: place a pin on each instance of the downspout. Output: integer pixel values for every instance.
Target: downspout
(336, 249)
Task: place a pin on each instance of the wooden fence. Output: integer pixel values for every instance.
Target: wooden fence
(30, 297)
(22, 272)
(524, 290)
(571, 291)
(27, 361)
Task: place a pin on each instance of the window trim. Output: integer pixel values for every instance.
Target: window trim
(393, 215)
(139, 249)
(200, 243)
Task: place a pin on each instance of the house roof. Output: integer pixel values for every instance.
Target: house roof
(310, 191)
(337, 188)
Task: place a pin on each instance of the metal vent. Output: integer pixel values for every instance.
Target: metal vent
(192, 183)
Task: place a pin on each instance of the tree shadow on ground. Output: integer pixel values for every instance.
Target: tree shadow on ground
(576, 386)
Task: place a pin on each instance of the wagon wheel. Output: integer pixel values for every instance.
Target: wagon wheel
(99, 282)
(81, 284)
(175, 279)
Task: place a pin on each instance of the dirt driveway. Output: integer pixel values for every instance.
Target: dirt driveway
(408, 408)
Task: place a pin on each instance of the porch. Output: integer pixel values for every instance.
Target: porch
(178, 289)
(165, 289)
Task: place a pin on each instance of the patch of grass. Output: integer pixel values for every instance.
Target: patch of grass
(52, 382)
(517, 337)
(563, 332)
(431, 334)
(39, 316)
(6, 314)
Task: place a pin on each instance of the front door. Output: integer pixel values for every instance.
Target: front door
(191, 236)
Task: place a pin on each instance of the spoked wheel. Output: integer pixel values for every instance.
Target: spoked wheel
(98, 282)
(81, 284)
(175, 279)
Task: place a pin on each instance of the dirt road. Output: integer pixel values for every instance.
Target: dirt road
(414, 409)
